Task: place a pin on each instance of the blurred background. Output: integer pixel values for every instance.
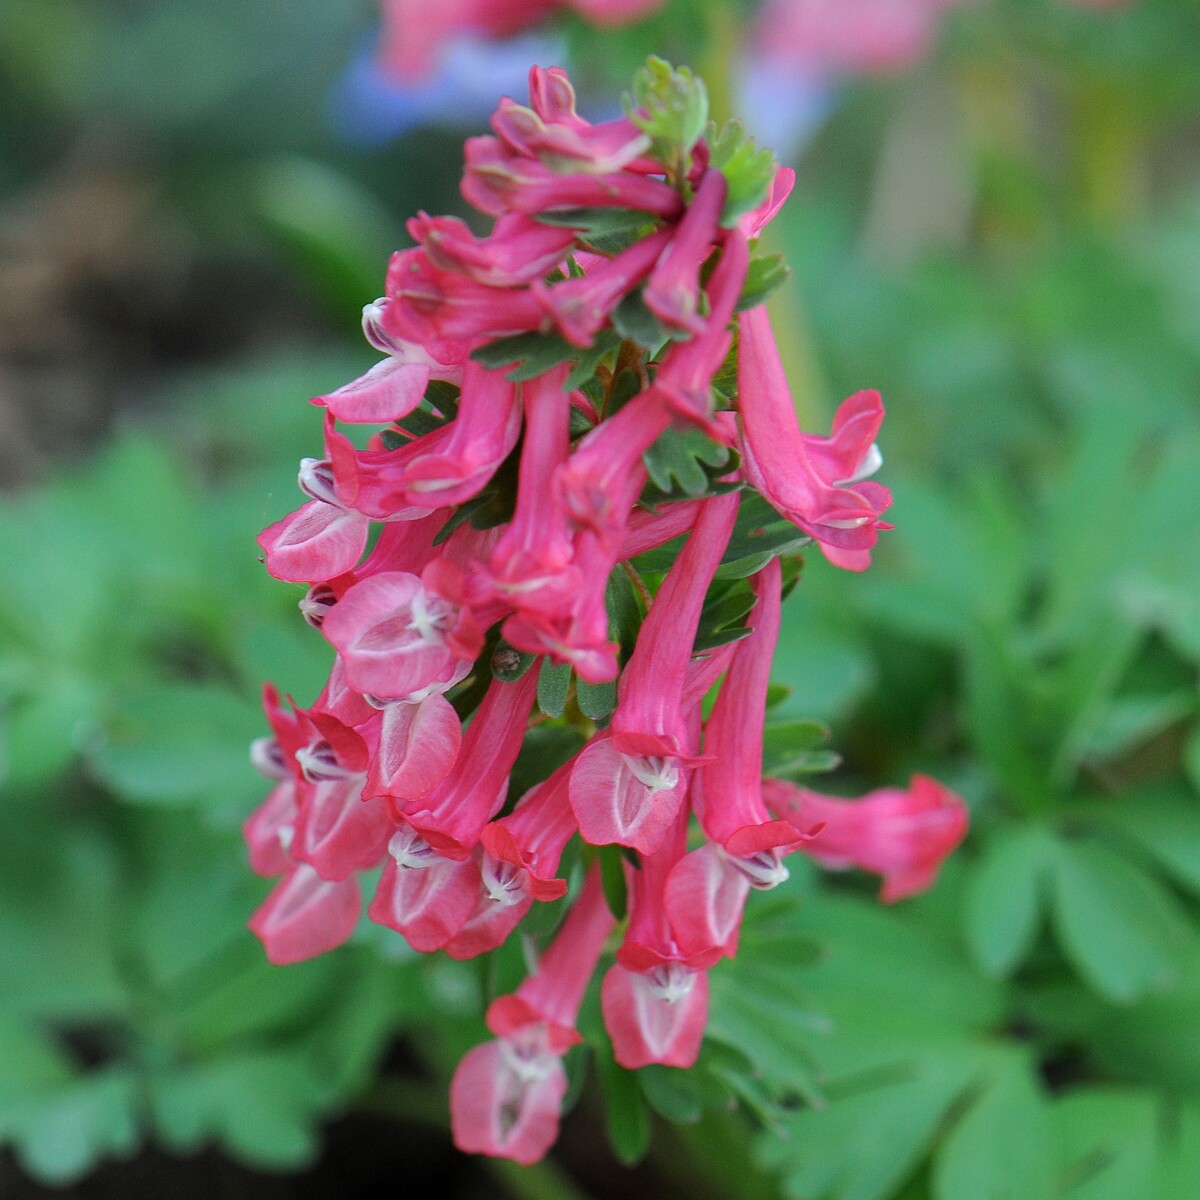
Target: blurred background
(996, 223)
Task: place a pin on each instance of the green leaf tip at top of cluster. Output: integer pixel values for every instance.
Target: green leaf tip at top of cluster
(670, 106)
(748, 168)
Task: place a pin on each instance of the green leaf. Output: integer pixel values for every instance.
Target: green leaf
(60, 1135)
(1001, 1149)
(1106, 1143)
(598, 223)
(792, 748)
(670, 106)
(606, 343)
(596, 700)
(1165, 824)
(535, 353)
(624, 610)
(1119, 927)
(765, 274)
(634, 321)
(760, 535)
(627, 1117)
(1005, 896)
(686, 462)
(747, 169)
(866, 1142)
(554, 685)
(181, 744)
(612, 878)
(262, 1106)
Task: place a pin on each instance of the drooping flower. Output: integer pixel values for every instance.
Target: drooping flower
(629, 783)
(707, 888)
(814, 482)
(507, 509)
(506, 1095)
(903, 834)
(655, 997)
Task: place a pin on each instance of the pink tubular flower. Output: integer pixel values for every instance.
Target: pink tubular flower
(814, 482)
(581, 307)
(306, 915)
(517, 251)
(480, 439)
(837, 36)
(655, 998)
(707, 889)
(452, 815)
(531, 565)
(576, 633)
(628, 785)
(269, 830)
(498, 181)
(673, 293)
(423, 895)
(394, 387)
(414, 31)
(531, 839)
(320, 540)
(430, 304)
(685, 375)
(398, 636)
(902, 834)
(605, 473)
(520, 856)
(506, 1095)
(413, 747)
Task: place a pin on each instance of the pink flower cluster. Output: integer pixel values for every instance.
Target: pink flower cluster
(414, 31)
(380, 772)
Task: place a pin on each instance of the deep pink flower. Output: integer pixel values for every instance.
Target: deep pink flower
(397, 636)
(452, 815)
(605, 474)
(811, 481)
(306, 915)
(754, 222)
(628, 785)
(391, 389)
(655, 998)
(428, 303)
(581, 307)
(532, 837)
(499, 181)
(556, 135)
(673, 293)
(423, 895)
(269, 830)
(506, 1095)
(708, 887)
(902, 834)
(684, 377)
(413, 747)
(520, 856)
(576, 634)
(317, 542)
(531, 565)
(517, 251)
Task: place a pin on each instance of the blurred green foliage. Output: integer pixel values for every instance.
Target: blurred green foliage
(1007, 243)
